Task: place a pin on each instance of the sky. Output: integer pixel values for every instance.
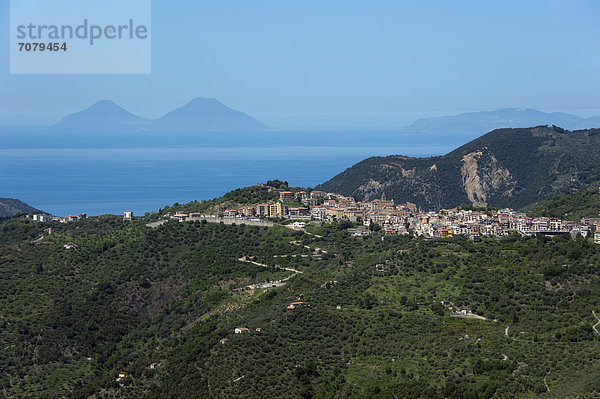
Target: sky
(315, 64)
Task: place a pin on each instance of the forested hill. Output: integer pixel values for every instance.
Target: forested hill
(584, 203)
(126, 310)
(505, 167)
(12, 206)
(132, 311)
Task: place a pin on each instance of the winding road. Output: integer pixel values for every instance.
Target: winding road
(596, 325)
(289, 269)
(276, 283)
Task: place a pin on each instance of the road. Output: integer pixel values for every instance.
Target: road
(470, 315)
(301, 229)
(289, 269)
(272, 284)
(596, 325)
(277, 283)
(38, 240)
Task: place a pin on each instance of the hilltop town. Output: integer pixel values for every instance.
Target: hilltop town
(305, 206)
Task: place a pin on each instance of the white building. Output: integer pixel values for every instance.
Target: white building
(42, 217)
(597, 236)
(318, 213)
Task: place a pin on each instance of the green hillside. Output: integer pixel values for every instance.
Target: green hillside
(506, 167)
(240, 196)
(584, 203)
(129, 296)
(11, 206)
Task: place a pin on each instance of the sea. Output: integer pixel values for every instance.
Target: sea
(96, 181)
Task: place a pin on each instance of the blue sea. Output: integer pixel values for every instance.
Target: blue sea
(96, 181)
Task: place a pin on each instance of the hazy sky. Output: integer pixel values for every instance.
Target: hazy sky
(339, 63)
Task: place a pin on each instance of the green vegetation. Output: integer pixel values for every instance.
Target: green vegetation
(514, 168)
(240, 196)
(251, 195)
(277, 184)
(11, 207)
(582, 204)
(130, 296)
(293, 204)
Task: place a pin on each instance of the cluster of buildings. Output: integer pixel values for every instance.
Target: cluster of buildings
(319, 205)
(278, 209)
(44, 217)
(475, 224)
(393, 218)
(399, 218)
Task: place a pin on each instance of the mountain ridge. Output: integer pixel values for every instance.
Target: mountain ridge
(505, 167)
(12, 206)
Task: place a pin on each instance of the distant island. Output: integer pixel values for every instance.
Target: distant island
(207, 114)
(484, 121)
(210, 115)
(199, 115)
(103, 114)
